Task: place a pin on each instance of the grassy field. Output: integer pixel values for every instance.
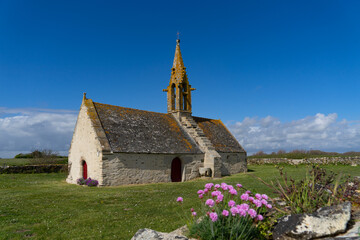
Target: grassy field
(27, 161)
(44, 206)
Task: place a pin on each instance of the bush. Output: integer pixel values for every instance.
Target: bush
(81, 181)
(91, 182)
(319, 188)
(227, 214)
(22, 155)
(88, 182)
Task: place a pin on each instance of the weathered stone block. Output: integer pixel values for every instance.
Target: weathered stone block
(324, 222)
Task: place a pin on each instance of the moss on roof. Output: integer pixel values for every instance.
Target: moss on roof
(219, 135)
(138, 131)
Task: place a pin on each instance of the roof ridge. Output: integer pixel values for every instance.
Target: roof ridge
(207, 118)
(132, 108)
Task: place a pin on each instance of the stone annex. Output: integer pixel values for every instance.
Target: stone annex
(118, 145)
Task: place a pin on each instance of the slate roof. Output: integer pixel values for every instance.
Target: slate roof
(136, 131)
(219, 135)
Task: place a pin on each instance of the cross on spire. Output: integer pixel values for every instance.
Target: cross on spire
(178, 37)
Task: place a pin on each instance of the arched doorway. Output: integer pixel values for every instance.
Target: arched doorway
(176, 170)
(84, 170)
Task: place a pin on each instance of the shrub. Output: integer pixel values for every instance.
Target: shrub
(22, 155)
(227, 214)
(319, 188)
(91, 182)
(88, 182)
(81, 181)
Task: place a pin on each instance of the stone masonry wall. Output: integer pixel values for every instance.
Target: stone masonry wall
(84, 146)
(232, 163)
(132, 168)
(321, 160)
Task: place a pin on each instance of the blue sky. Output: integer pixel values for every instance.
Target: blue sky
(254, 64)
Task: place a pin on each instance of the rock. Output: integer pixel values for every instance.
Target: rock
(180, 231)
(326, 221)
(149, 234)
(351, 233)
(205, 172)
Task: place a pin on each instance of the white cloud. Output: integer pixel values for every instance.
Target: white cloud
(324, 132)
(23, 130)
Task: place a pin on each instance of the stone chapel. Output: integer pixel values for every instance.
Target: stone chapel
(118, 145)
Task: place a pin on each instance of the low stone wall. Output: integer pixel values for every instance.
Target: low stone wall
(354, 161)
(54, 168)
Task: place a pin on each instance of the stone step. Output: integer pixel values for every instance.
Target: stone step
(205, 139)
(207, 145)
(190, 124)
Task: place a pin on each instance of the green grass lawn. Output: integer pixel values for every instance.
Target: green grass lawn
(44, 206)
(27, 161)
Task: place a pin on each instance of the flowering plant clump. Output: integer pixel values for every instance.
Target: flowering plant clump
(91, 182)
(88, 182)
(228, 212)
(81, 181)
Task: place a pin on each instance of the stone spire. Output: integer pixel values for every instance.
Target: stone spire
(178, 61)
(179, 90)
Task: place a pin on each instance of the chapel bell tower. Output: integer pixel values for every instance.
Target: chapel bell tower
(179, 90)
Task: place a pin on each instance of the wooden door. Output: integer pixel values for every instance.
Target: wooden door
(176, 170)
(84, 170)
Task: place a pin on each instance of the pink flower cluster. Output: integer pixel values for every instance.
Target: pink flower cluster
(222, 201)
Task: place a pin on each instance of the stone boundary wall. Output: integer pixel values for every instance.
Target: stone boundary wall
(54, 168)
(353, 161)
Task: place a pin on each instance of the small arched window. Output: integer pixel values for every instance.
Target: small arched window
(173, 97)
(184, 94)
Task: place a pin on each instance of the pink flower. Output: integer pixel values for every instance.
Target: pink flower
(220, 197)
(215, 193)
(252, 213)
(242, 212)
(258, 196)
(257, 203)
(210, 202)
(201, 196)
(245, 197)
(206, 190)
(233, 191)
(209, 186)
(239, 185)
(264, 196)
(217, 186)
(248, 192)
(192, 210)
(224, 186)
(251, 199)
(259, 217)
(200, 192)
(179, 199)
(194, 213)
(234, 211)
(231, 203)
(225, 213)
(264, 202)
(213, 216)
(268, 206)
(244, 206)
